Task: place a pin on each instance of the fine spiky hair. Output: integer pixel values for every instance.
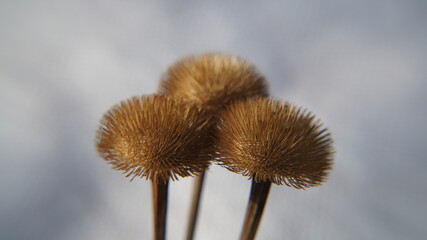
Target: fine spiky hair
(268, 140)
(213, 80)
(157, 137)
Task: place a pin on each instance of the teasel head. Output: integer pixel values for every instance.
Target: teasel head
(157, 137)
(268, 140)
(213, 80)
(271, 142)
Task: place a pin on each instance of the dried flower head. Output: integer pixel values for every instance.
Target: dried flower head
(271, 141)
(157, 137)
(213, 80)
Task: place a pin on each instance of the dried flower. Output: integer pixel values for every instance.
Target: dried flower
(268, 140)
(213, 80)
(157, 137)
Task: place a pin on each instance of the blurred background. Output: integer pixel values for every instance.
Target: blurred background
(359, 65)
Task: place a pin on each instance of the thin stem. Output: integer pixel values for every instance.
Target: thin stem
(195, 203)
(254, 210)
(160, 200)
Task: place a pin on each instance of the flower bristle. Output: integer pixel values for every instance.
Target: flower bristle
(213, 80)
(273, 141)
(157, 137)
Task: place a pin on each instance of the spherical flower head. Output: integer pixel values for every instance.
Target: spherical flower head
(268, 140)
(213, 80)
(157, 137)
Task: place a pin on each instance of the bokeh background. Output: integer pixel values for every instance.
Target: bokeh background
(361, 66)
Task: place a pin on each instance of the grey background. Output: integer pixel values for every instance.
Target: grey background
(359, 65)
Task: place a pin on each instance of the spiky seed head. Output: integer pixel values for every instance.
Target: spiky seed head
(157, 137)
(268, 140)
(213, 80)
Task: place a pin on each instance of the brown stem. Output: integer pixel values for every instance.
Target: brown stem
(160, 200)
(195, 203)
(254, 210)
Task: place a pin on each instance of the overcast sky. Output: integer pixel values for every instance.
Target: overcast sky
(359, 65)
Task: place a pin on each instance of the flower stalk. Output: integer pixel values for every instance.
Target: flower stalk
(257, 201)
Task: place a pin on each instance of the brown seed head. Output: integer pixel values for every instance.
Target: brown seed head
(213, 80)
(271, 141)
(156, 137)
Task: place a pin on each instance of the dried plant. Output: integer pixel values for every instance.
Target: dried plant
(156, 137)
(212, 81)
(214, 106)
(272, 142)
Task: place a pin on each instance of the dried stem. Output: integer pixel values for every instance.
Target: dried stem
(160, 200)
(195, 203)
(254, 210)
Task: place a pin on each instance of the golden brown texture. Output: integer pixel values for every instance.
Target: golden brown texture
(213, 80)
(156, 137)
(271, 141)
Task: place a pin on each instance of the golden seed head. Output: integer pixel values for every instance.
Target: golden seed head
(213, 80)
(273, 141)
(157, 137)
